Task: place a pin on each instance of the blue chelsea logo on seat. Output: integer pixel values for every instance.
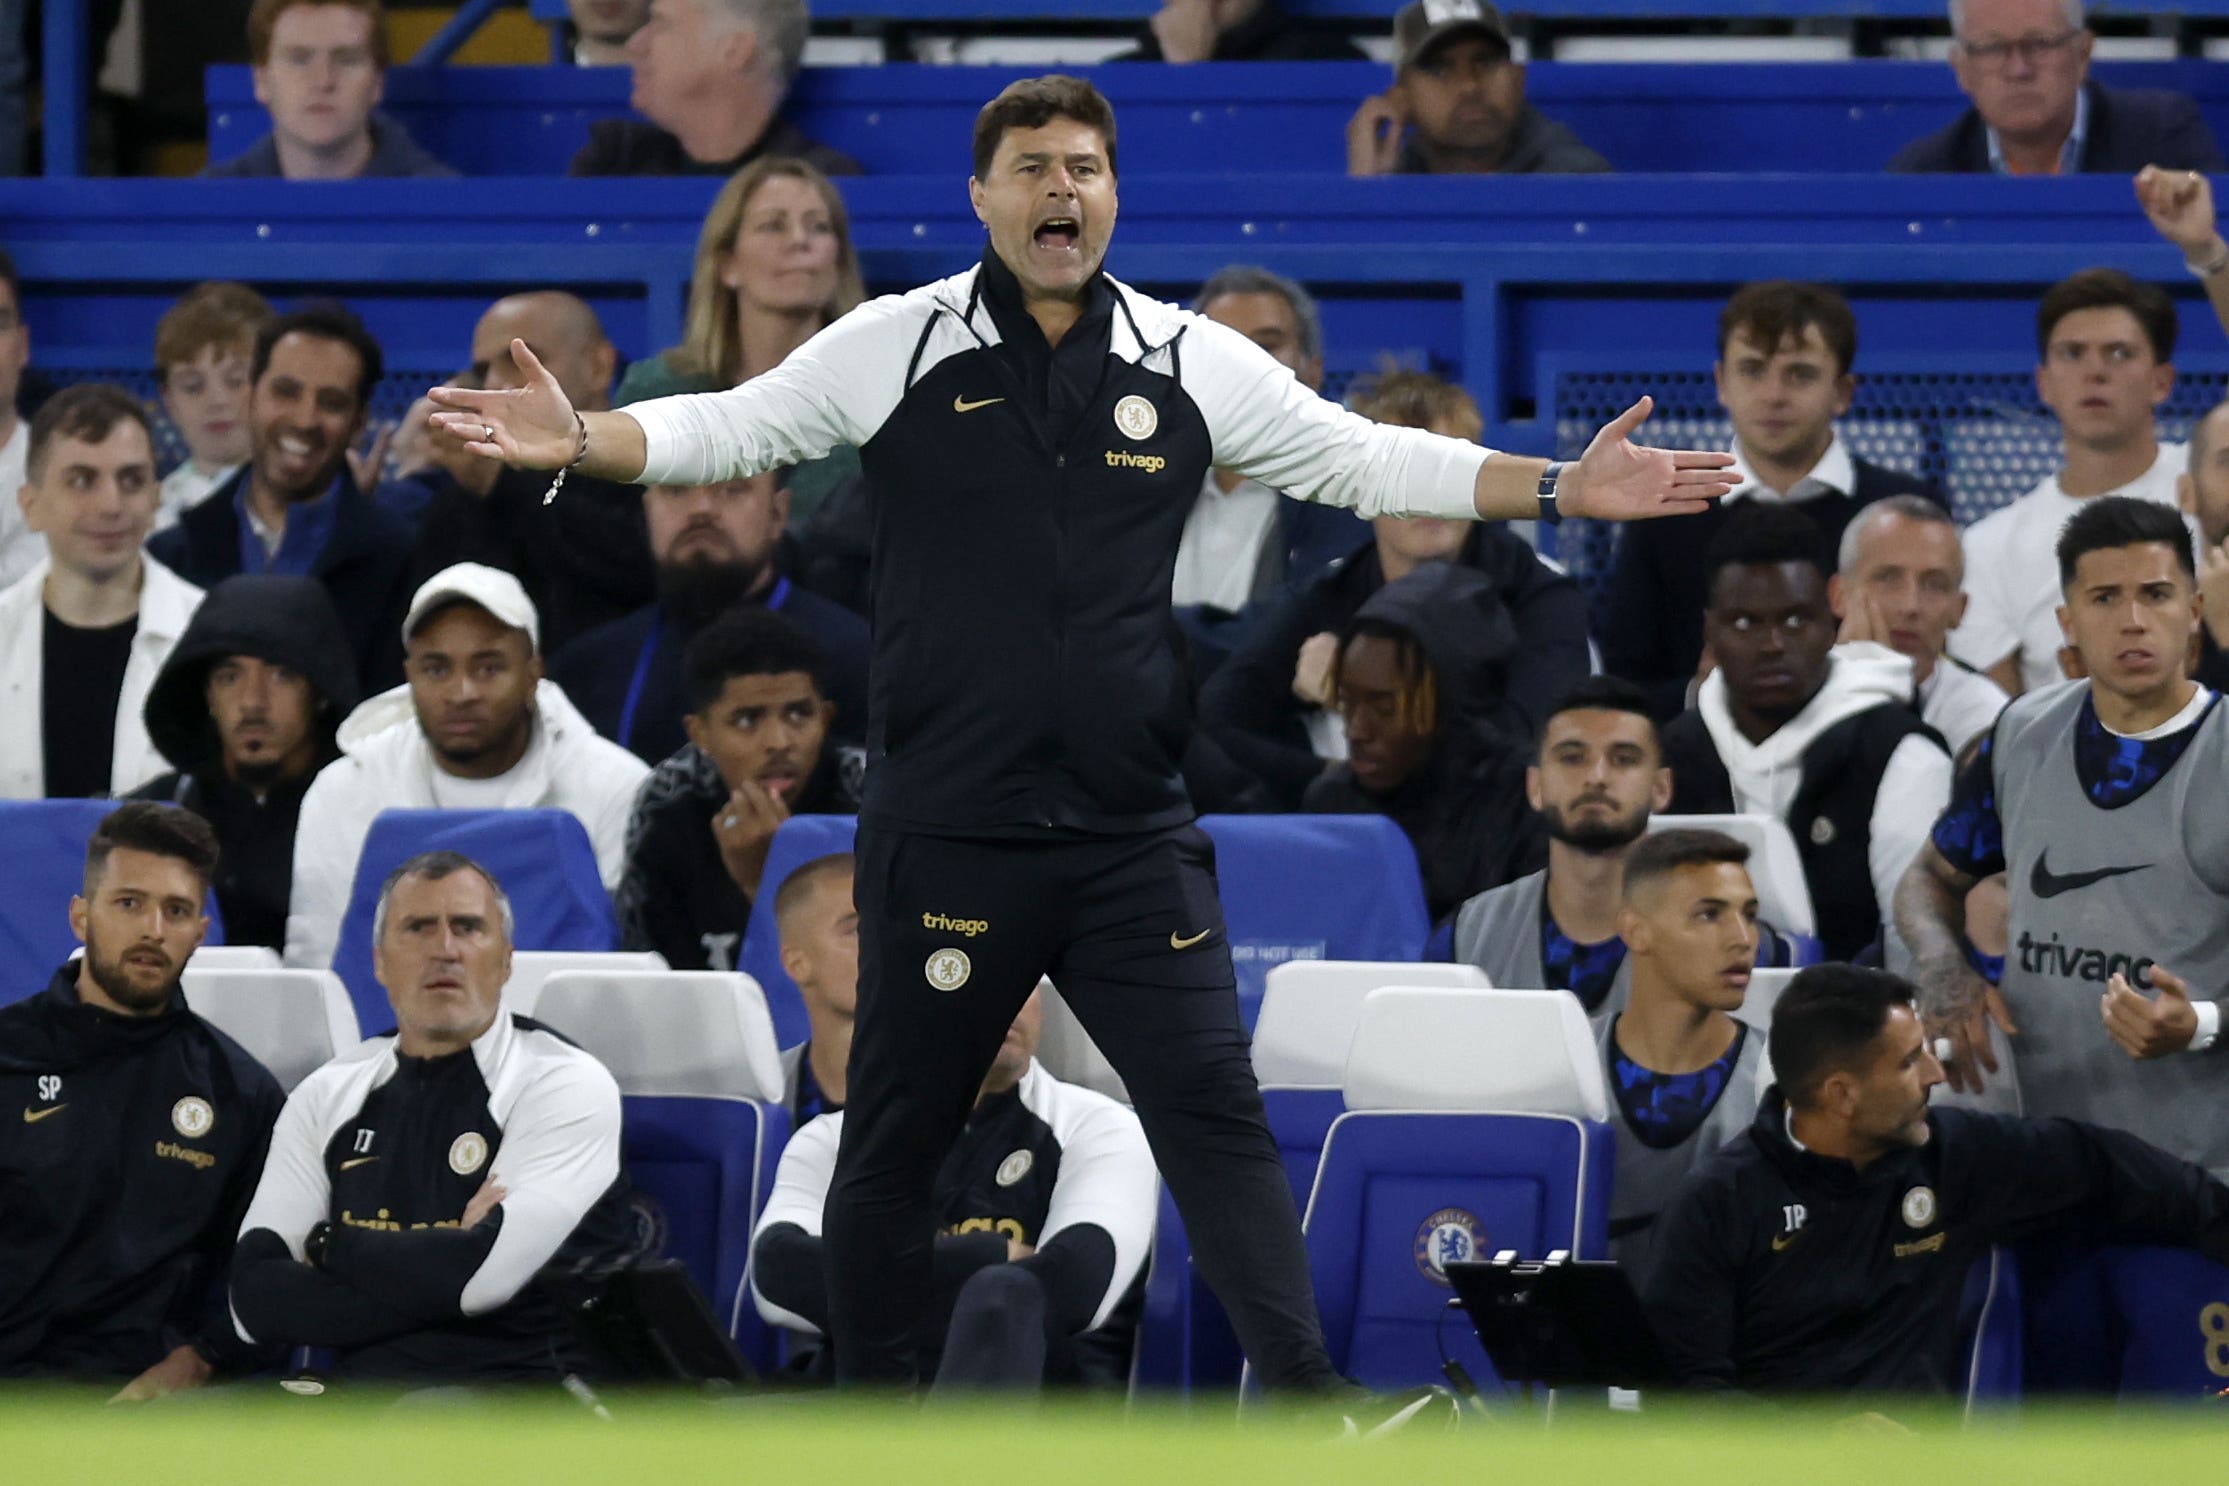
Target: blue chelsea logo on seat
(1449, 1236)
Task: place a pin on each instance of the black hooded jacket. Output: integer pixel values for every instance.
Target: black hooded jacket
(282, 621)
(1464, 810)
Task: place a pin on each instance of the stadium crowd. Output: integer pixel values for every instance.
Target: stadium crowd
(300, 619)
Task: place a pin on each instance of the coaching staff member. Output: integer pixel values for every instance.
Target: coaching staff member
(419, 1185)
(1034, 434)
(141, 1134)
(1827, 1248)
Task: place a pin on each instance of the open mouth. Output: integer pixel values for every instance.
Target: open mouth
(1062, 233)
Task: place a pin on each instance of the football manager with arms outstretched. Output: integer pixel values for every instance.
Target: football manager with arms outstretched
(1033, 434)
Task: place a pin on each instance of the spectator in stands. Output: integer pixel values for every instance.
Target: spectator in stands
(1235, 31)
(715, 548)
(246, 710)
(583, 558)
(83, 633)
(1596, 779)
(775, 263)
(488, 1145)
(320, 68)
(759, 751)
(204, 345)
(1785, 353)
(1899, 583)
(109, 1253)
(2025, 65)
(1269, 706)
(2107, 347)
(1685, 1074)
(1418, 683)
(1045, 1212)
(2204, 493)
(475, 728)
(2116, 779)
(297, 507)
(1824, 1252)
(602, 29)
(20, 547)
(1457, 105)
(819, 925)
(1789, 726)
(710, 77)
(1243, 541)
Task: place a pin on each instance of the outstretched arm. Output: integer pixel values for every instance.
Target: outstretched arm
(2180, 206)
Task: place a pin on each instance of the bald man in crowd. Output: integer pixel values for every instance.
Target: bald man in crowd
(583, 559)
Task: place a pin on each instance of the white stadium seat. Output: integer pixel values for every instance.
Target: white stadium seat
(1783, 893)
(531, 967)
(1309, 1009)
(670, 1032)
(1067, 1052)
(1449, 1048)
(294, 1021)
(1765, 987)
(235, 957)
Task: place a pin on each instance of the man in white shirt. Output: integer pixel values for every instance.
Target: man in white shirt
(2107, 348)
(84, 633)
(20, 548)
(475, 727)
(1899, 582)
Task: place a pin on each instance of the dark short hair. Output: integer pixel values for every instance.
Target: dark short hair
(263, 18)
(804, 878)
(1827, 1021)
(1034, 102)
(330, 322)
(2109, 521)
(90, 412)
(2109, 289)
(1661, 853)
(1247, 278)
(749, 640)
(432, 866)
(1602, 694)
(1763, 534)
(1778, 310)
(157, 829)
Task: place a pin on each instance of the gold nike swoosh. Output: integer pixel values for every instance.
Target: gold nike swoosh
(33, 1116)
(1176, 943)
(962, 405)
(1782, 1240)
(359, 1161)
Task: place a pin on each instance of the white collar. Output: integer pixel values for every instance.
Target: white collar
(2199, 697)
(1834, 474)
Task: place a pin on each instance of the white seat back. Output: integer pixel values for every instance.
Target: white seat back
(1067, 1052)
(671, 1032)
(1765, 987)
(1309, 1009)
(294, 1021)
(236, 957)
(1783, 893)
(530, 968)
(1447, 1047)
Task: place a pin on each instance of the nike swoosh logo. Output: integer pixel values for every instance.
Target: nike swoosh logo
(2049, 884)
(962, 405)
(359, 1161)
(33, 1116)
(1176, 943)
(1782, 1240)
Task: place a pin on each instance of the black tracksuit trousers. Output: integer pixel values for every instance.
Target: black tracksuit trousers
(953, 936)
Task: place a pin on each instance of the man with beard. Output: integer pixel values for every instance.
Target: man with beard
(715, 548)
(475, 728)
(246, 710)
(141, 1137)
(758, 753)
(297, 508)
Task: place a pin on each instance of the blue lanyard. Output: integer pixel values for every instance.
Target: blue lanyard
(651, 644)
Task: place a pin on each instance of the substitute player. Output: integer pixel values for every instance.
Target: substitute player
(1034, 434)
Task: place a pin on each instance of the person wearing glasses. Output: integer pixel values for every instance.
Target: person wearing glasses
(2025, 65)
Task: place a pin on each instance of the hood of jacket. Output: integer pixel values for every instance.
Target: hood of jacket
(281, 620)
(1859, 676)
(384, 739)
(1466, 632)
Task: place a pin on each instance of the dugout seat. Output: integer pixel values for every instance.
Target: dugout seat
(236, 957)
(1990, 1330)
(294, 1021)
(2171, 1313)
(1783, 892)
(542, 858)
(700, 1085)
(1068, 1053)
(800, 839)
(531, 968)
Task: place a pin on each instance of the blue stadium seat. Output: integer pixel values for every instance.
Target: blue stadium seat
(800, 839)
(1990, 1330)
(42, 869)
(542, 858)
(1185, 1341)
(1301, 1119)
(1314, 887)
(2172, 1310)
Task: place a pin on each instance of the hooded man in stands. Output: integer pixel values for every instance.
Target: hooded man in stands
(245, 710)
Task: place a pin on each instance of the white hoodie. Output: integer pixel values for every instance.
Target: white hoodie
(1914, 787)
(386, 764)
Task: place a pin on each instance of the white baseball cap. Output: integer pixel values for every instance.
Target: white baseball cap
(491, 589)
